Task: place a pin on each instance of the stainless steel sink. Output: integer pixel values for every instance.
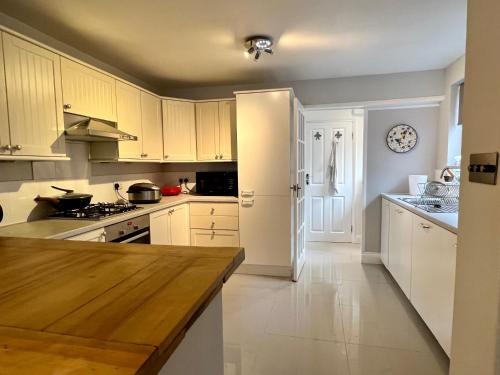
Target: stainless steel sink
(434, 205)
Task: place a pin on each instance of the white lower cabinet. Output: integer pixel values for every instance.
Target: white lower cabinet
(401, 224)
(170, 226)
(433, 277)
(96, 235)
(384, 232)
(214, 224)
(422, 259)
(207, 237)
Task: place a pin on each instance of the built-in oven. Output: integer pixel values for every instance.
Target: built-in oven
(135, 230)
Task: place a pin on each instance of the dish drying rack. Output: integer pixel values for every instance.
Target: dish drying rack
(437, 197)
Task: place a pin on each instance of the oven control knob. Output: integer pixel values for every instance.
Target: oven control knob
(121, 232)
(136, 227)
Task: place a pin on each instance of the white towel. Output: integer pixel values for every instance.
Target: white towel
(332, 169)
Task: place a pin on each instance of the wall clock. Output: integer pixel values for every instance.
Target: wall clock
(402, 138)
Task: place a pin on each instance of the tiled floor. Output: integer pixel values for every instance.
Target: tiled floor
(342, 317)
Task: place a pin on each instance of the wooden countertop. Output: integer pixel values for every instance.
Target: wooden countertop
(70, 307)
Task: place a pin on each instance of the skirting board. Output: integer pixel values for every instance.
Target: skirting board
(263, 270)
(370, 257)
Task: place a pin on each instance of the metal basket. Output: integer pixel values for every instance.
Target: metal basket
(436, 197)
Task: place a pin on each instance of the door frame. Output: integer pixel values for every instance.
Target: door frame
(358, 125)
(366, 106)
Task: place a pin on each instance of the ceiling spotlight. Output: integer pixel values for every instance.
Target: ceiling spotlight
(258, 45)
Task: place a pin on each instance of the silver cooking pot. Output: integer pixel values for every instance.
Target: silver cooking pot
(144, 192)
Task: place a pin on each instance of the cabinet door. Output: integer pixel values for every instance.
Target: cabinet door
(152, 141)
(207, 130)
(222, 238)
(33, 83)
(227, 130)
(4, 118)
(128, 110)
(433, 278)
(400, 241)
(179, 131)
(97, 235)
(179, 225)
(159, 226)
(384, 232)
(87, 92)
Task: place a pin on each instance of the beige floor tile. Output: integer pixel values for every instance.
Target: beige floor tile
(281, 355)
(369, 360)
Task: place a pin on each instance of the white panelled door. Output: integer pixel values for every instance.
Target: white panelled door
(329, 213)
(299, 178)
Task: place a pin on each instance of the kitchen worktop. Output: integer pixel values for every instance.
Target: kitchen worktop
(62, 228)
(67, 307)
(448, 221)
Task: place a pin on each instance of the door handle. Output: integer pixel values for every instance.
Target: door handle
(307, 178)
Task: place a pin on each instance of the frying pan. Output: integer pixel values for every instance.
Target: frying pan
(68, 201)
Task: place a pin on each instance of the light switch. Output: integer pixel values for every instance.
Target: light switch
(483, 168)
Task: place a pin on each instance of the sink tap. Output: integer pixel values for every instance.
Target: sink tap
(451, 175)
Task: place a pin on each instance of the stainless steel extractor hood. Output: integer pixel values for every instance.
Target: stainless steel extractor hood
(93, 130)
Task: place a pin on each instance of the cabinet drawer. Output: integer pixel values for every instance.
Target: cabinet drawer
(214, 209)
(222, 238)
(214, 222)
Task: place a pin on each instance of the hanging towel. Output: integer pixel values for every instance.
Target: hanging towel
(332, 169)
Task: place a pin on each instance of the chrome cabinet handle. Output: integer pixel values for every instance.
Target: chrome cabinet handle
(220, 156)
(166, 156)
(425, 226)
(7, 147)
(247, 193)
(67, 106)
(18, 147)
(216, 157)
(144, 155)
(399, 211)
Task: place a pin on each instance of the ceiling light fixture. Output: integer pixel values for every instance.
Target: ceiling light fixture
(258, 45)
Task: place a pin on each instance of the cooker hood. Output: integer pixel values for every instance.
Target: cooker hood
(94, 130)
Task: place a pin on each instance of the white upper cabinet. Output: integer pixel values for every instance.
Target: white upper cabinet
(207, 130)
(33, 82)
(152, 145)
(87, 92)
(227, 130)
(216, 130)
(179, 131)
(128, 108)
(5, 144)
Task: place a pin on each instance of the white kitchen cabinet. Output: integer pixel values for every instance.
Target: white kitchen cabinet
(151, 127)
(128, 110)
(97, 235)
(4, 116)
(400, 243)
(35, 116)
(170, 226)
(216, 130)
(433, 277)
(207, 237)
(384, 232)
(227, 130)
(88, 92)
(179, 130)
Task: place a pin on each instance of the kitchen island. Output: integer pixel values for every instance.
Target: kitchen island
(70, 307)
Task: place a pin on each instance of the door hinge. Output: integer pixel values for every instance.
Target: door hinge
(351, 228)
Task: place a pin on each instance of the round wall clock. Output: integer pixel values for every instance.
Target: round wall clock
(402, 138)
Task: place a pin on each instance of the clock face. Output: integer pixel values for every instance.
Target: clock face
(402, 138)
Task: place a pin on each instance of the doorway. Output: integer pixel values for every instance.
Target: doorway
(334, 174)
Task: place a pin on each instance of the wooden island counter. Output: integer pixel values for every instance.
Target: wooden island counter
(69, 307)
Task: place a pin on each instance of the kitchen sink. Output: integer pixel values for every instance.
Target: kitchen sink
(433, 205)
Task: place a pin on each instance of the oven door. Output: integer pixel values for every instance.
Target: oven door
(141, 236)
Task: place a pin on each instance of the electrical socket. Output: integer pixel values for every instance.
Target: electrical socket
(117, 186)
(180, 181)
(186, 180)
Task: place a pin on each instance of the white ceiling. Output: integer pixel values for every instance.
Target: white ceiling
(187, 43)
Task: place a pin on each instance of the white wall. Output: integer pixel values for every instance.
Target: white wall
(337, 90)
(476, 314)
(450, 135)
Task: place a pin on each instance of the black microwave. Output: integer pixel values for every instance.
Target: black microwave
(217, 183)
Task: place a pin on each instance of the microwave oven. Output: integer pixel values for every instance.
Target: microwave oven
(217, 183)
